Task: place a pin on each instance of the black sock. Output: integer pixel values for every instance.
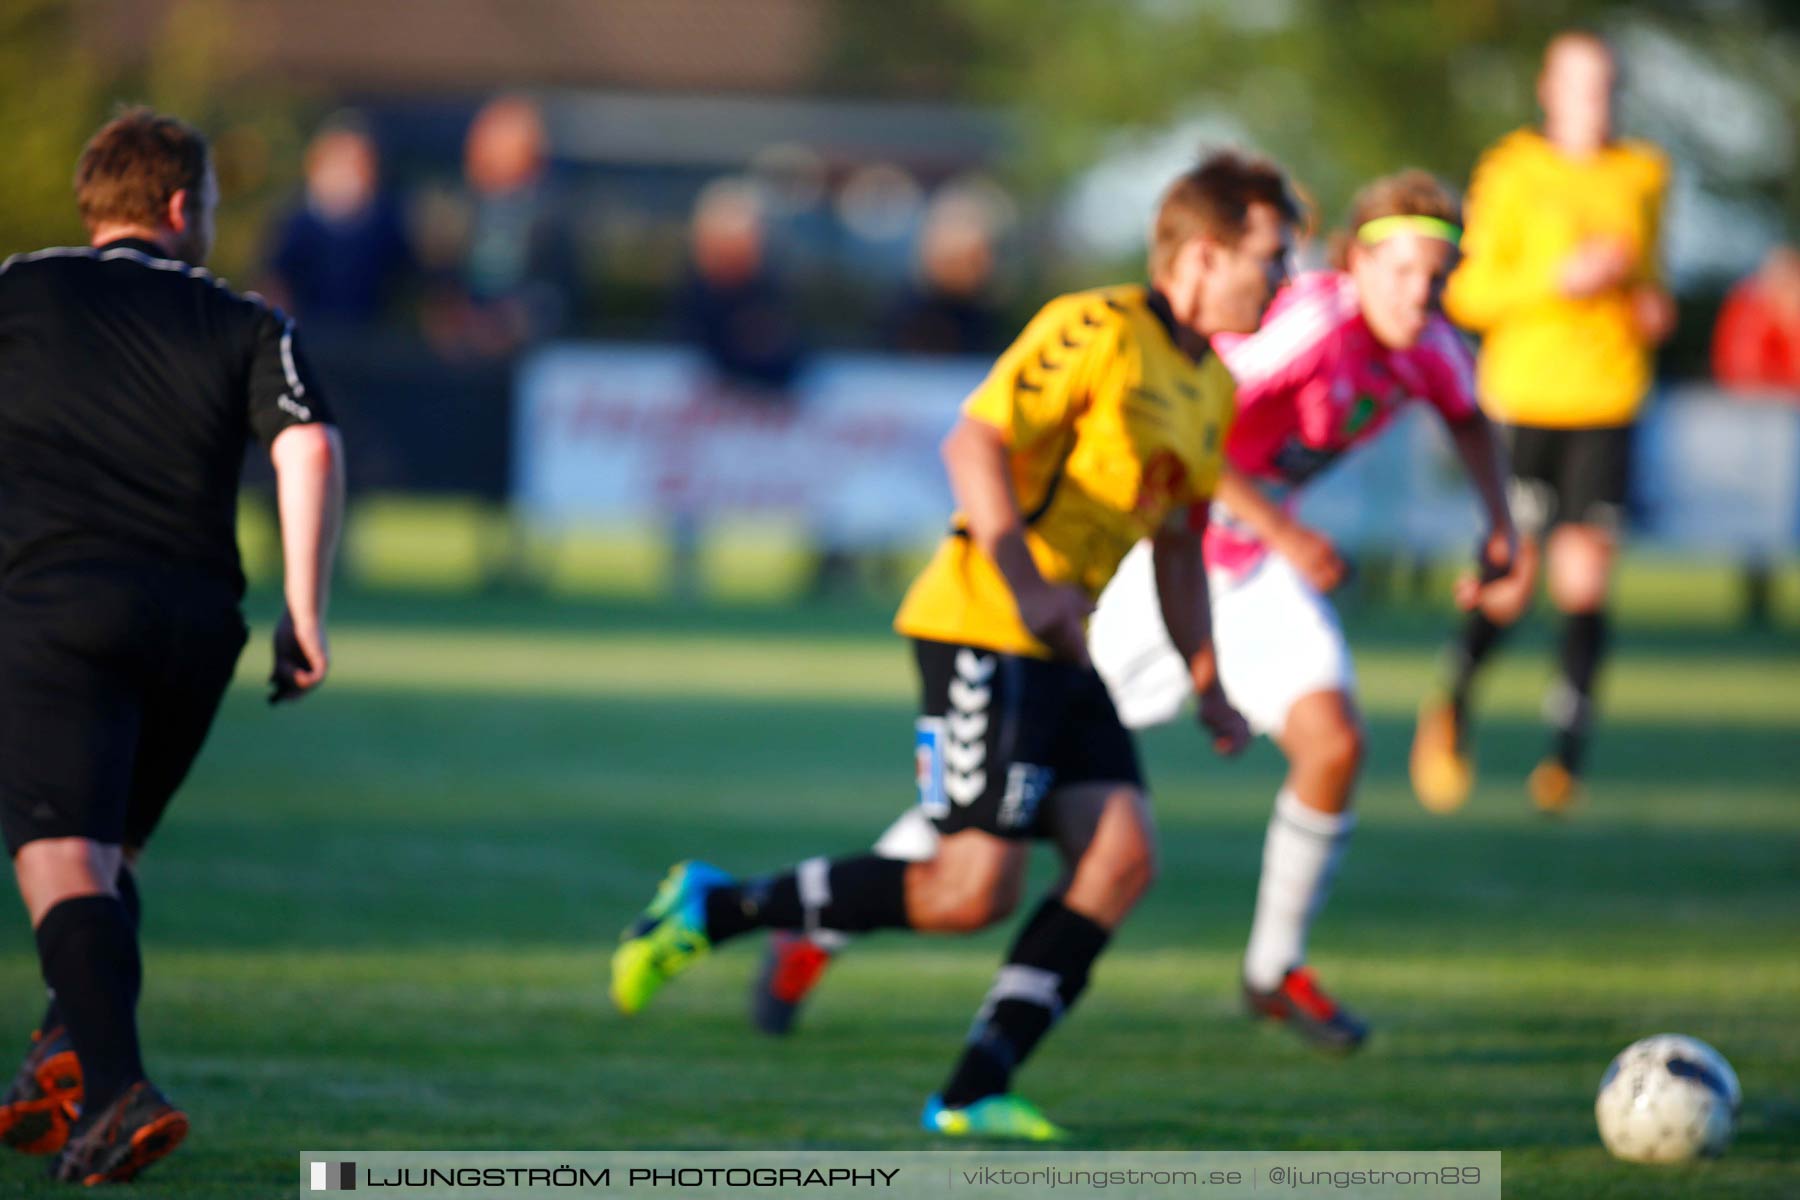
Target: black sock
(1584, 643)
(126, 885)
(89, 953)
(128, 896)
(1044, 974)
(853, 895)
(1478, 639)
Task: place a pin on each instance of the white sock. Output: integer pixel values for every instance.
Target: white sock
(1300, 857)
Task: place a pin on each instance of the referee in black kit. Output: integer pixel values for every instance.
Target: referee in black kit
(130, 381)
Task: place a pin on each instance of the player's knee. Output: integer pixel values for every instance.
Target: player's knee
(1579, 590)
(1331, 746)
(51, 870)
(1140, 873)
(1127, 871)
(68, 862)
(1580, 569)
(1341, 749)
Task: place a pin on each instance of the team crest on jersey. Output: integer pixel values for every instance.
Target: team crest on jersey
(1361, 413)
(1162, 483)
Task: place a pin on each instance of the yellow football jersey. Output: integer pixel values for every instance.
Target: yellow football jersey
(1548, 359)
(1110, 428)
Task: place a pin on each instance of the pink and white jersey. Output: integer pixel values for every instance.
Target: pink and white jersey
(1312, 383)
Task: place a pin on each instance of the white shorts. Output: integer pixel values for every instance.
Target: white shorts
(1277, 639)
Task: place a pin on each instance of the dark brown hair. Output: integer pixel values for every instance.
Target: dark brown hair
(1408, 193)
(1213, 200)
(134, 164)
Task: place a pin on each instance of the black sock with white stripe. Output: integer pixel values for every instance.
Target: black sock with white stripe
(1043, 975)
(851, 895)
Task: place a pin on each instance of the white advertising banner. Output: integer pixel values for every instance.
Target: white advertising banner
(609, 434)
(616, 433)
(1719, 472)
(1711, 473)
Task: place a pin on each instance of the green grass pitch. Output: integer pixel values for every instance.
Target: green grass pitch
(382, 920)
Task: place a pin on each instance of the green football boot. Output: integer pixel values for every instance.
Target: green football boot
(667, 938)
(1002, 1116)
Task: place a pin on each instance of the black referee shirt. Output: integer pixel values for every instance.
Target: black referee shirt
(129, 385)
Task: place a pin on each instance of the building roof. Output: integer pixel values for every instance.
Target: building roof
(463, 45)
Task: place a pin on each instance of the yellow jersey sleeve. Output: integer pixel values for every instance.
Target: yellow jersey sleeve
(1038, 388)
(1498, 274)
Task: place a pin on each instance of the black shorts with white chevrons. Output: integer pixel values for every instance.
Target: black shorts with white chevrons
(999, 733)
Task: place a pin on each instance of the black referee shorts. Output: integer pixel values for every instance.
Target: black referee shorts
(998, 733)
(1569, 476)
(110, 675)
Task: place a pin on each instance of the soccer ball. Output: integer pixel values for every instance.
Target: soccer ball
(1668, 1098)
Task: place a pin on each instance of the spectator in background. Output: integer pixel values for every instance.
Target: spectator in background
(1756, 344)
(731, 304)
(517, 282)
(342, 255)
(1756, 348)
(947, 309)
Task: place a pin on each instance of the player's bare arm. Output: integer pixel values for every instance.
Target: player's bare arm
(1652, 313)
(975, 455)
(1181, 590)
(309, 474)
(1311, 552)
(1484, 458)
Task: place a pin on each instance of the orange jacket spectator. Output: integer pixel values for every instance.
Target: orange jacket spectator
(1756, 343)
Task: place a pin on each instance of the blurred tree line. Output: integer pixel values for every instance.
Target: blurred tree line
(55, 90)
(1340, 90)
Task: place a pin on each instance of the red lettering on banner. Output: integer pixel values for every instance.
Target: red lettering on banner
(640, 434)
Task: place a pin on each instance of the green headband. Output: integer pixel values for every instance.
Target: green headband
(1383, 228)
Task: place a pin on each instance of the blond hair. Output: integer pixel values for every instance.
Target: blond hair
(1409, 193)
